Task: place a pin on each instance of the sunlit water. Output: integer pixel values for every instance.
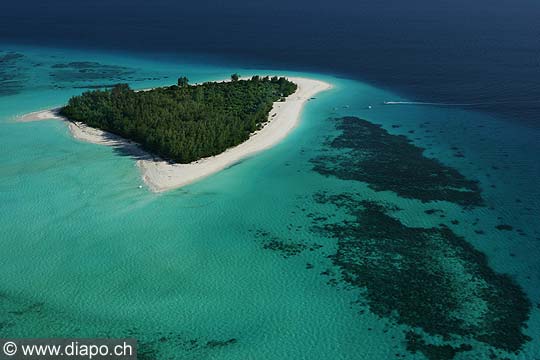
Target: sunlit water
(86, 253)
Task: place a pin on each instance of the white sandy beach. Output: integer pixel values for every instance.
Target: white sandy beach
(161, 176)
(48, 114)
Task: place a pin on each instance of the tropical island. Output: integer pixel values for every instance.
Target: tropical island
(181, 133)
(182, 123)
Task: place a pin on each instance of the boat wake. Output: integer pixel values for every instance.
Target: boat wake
(454, 104)
(434, 103)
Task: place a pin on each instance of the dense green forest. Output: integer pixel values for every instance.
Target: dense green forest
(182, 123)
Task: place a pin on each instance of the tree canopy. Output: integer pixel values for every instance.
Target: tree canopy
(183, 81)
(182, 123)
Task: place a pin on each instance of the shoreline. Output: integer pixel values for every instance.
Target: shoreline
(40, 115)
(160, 175)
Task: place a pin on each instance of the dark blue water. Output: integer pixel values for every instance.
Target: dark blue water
(457, 52)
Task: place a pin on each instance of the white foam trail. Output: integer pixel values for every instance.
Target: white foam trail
(429, 103)
(454, 104)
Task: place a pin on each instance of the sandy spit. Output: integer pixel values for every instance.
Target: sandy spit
(161, 175)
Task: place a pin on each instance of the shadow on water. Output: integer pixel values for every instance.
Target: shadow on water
(119, 145)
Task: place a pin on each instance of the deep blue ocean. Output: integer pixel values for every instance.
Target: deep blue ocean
(399, 220)
(459, 52)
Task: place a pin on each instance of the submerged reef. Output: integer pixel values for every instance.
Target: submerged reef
(415, 343)
(20, 71)
(368, 153)
(82, 71)
(163, 345)
(11, 76)
(430, 280)
(19, 314)
(426, 278)
(286, 248)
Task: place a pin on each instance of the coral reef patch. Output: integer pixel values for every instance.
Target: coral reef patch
(426, 278)
(366, 152)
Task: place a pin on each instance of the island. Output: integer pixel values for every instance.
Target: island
(182, 123)
(182, 133)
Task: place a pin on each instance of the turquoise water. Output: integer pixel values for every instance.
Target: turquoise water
(201, 272)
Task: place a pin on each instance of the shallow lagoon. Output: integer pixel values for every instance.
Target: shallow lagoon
(234, 266)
